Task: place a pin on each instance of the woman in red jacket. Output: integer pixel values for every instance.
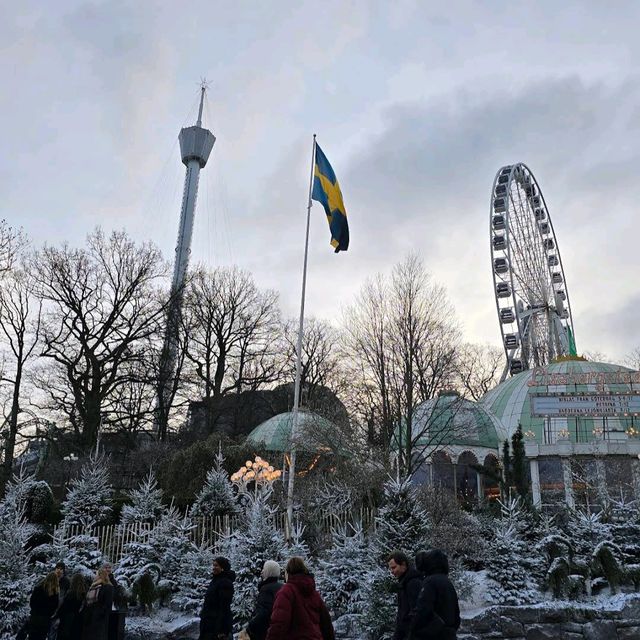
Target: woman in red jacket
(298, 611)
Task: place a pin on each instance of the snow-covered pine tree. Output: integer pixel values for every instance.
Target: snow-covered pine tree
(138, 556)
(401, 525)
(195, 575)
(88, 501)
(16, 578)
(146, 503)
(170, 541)
(216, 498)
(344, 571)
(585, 531)
(248, 548)
(509, 583)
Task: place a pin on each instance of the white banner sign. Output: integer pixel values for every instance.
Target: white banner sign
(588, 404)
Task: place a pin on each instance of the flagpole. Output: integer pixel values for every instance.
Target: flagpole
(296, 388)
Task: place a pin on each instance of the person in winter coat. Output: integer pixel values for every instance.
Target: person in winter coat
(43, 602)
(63, 581)
(299, 612)
(437, 613)
(97, 607)
(70, 611)
(409, 585)
(267, 590)
(119, 609)
(216, 619)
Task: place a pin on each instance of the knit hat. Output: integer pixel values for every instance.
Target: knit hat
(271, 569)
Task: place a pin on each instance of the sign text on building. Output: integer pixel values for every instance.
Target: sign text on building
(558, 405)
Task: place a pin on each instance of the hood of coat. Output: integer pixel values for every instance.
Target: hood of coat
(226, 575)
(410, 574)
(302, 582)
(264, 583)
(432, 562)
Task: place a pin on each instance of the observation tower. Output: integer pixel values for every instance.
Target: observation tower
(196, 144)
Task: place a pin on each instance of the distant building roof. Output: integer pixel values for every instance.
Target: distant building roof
(314, 434)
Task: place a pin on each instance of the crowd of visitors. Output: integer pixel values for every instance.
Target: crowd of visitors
(75, 609)
(427, 604)
(294, 610)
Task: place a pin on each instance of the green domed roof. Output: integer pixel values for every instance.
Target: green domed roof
(510, 401)
(315, 433)
(449, 419)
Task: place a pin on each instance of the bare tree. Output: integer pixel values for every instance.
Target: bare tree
(12, 242)
(232, 334)
(20, 316)
(101, 304)
(320, 365)
(478, 369)
(401, 339)
(632, 359)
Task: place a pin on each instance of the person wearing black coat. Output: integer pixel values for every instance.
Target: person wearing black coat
(216, 619)
(43, 603)
(97, 608)
(437, 612)
(409, 585)
(267, 590)
(70, 611)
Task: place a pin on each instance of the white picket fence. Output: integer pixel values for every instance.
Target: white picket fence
(113, 538)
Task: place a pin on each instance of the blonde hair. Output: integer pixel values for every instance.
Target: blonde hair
(51, 584)
(102, 576)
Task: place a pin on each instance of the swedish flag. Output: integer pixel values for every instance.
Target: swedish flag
(326, 191)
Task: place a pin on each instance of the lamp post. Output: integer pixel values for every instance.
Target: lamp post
(260, 473)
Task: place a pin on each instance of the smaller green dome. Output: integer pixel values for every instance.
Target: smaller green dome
(314, 433)
(450, 420)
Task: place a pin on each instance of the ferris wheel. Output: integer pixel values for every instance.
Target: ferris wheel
(531, 294)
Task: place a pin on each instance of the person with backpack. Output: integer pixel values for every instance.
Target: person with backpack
(97, 608)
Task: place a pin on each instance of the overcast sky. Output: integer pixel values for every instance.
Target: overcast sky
(416, 104)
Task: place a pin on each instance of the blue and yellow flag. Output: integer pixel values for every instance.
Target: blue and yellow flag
(326, 191)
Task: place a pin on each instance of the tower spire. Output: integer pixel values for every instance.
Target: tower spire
(196, 144)
(203, 89)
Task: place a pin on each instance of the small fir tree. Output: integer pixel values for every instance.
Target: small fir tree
(170, 541)
(216, 498)
(16, 578)
(509, 583)
(401, 522)
(344, 572)
(146, 503)
(249, 547)
(88, 502)
(195, 575)
(506, 468)
(519, 464)
(401, 525)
